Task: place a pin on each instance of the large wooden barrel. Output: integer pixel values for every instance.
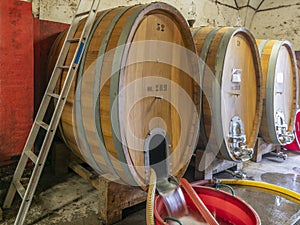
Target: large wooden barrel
(280, 76)
(135, 101)
(232, 100)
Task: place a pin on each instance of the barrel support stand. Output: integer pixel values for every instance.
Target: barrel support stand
(113, 197)
(262, 148)
(60, 158)
(210, 166)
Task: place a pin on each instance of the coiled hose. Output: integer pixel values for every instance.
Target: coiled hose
(150, 198)
(271, 188)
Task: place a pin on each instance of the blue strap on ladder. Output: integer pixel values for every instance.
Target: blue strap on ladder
(79, 53)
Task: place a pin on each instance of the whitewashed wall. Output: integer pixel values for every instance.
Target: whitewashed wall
(278, 20)
(272, 19)
(208, 11)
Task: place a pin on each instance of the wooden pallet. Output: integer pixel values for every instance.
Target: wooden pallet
(262, 148)
(113, 197)
(212, 166)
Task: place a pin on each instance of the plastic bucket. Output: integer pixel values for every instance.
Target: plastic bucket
(227, 208)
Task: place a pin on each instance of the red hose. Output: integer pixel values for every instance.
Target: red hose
(208, 217)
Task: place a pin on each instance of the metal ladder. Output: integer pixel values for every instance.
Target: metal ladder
(39, 159)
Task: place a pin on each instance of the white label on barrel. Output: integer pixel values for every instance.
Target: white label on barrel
(279, 78)
(236, 76)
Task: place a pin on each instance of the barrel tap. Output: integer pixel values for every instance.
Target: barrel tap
(237, 140)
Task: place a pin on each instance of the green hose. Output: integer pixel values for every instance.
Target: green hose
(150, 198)
(173, 219)
(227, 186)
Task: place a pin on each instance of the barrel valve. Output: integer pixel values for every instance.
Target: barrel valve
(237, 140)
(284, 136)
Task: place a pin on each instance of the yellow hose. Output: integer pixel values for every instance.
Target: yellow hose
(150, 198)
(271, 188)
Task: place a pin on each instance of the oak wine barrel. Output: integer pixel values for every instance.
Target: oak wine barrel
(232, 95)
(135, 100)
(280, 76)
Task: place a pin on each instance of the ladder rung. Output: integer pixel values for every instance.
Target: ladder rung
(73, 40)
(82, 14)
(31, 155)
(63, 67)
(53, 95)
(43, 124)
(27, 192)
(20, 188)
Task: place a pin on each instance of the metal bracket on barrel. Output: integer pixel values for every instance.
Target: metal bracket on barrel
(237, 140)
(284, 136)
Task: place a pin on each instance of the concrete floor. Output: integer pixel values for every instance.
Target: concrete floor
(72, 201)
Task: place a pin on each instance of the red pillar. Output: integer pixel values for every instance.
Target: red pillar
(16, 77)
(45, 33)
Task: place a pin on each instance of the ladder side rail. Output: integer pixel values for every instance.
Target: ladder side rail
(35, 128)
(54, 121)
(38, 121)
